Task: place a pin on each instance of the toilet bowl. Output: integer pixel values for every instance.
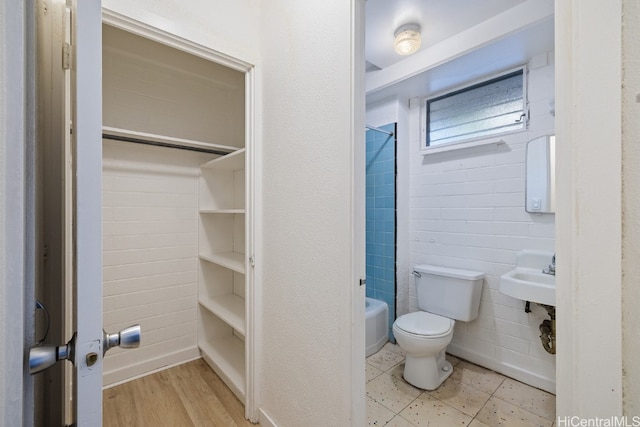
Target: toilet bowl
(424, 337)
(444, 294)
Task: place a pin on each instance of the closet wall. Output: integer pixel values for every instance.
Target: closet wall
(150, 194)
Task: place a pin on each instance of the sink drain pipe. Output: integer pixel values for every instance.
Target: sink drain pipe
(548, 330)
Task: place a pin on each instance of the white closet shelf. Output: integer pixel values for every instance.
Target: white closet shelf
(231, 260)
(222, 211)
(226, 357)
(231, 162)
(126, 133)
(228, 307)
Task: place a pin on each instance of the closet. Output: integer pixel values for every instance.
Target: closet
(175, 216)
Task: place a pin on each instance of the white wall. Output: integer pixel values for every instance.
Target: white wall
(228, 27)
(16, 82)
(150, 240)
(305, 112)
(589, 216)
(465, 209)
(631, 208)
(308, 168)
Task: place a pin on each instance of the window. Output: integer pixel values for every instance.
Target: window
(493, 107)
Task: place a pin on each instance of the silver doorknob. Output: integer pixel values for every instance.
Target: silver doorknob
(126, 338)
(44, 356)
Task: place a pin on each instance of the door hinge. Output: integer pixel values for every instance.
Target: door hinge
(66, 56)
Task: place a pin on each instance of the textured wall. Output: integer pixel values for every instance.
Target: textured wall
(631, 206)
(307, 212)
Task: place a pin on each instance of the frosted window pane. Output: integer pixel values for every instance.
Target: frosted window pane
(489, 108)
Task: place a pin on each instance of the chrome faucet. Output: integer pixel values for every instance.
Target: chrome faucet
(552, 267)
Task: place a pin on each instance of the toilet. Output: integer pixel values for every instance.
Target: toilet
(444, 296)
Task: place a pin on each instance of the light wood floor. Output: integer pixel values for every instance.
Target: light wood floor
(187, 395)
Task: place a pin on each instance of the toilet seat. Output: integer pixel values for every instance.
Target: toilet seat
(425, 325)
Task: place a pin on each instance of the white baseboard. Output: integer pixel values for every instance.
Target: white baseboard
(148, 366)
(515, 372)
(265, 419)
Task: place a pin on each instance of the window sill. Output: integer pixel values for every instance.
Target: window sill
(459, 146)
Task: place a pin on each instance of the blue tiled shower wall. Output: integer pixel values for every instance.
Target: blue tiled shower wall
(381, 218)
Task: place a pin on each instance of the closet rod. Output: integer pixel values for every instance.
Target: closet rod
(379, 130)
(162, 144)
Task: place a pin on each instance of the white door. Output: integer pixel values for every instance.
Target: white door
(86, 104)
(84, 300)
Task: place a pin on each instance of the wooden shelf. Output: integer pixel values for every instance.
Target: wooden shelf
(231, 162)
(226, 357)
(229, 308)
(231, 260)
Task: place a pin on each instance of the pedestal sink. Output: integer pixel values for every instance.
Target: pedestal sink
(527, 281)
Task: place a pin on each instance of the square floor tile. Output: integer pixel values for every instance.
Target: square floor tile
(398, 421)
(391, 392)
(477, 377)
(377, 415)
(526, 397)
(395, 348)
(497, 412)
(397, 371)
(452, 359)
(429, 411)
(371, 372)
(476, 423)
(385, 359)
(461, 396)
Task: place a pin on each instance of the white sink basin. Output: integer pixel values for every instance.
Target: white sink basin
(527, 281)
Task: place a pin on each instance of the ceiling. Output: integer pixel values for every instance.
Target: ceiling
(444, 20)
(439, 19)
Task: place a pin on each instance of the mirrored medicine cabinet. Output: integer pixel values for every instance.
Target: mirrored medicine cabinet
(540, 185)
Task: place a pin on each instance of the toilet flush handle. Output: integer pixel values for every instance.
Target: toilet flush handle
(415, 273)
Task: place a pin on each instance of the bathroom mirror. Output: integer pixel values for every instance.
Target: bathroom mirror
(540, 185)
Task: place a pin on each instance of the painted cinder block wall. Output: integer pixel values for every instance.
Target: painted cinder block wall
(467, 211)
(150, 254)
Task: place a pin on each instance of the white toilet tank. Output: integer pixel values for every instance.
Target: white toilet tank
(449, 292)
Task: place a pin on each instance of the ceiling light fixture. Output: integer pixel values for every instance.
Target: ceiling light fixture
(407, 39)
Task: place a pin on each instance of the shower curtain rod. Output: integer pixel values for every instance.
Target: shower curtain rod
(162, 144)
(379, 130)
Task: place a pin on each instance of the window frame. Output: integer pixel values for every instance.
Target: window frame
(425, 148)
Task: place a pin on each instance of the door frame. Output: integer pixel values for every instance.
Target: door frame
(589, 192)
(252, 126)
(17, 197)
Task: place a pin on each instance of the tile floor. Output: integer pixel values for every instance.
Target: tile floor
(472, 396)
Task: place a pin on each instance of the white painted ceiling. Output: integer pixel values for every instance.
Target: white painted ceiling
(439, 19)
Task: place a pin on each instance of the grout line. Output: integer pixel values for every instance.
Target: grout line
(491, 395)
(524, 409)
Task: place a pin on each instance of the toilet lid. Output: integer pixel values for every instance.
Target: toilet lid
(423, 323)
